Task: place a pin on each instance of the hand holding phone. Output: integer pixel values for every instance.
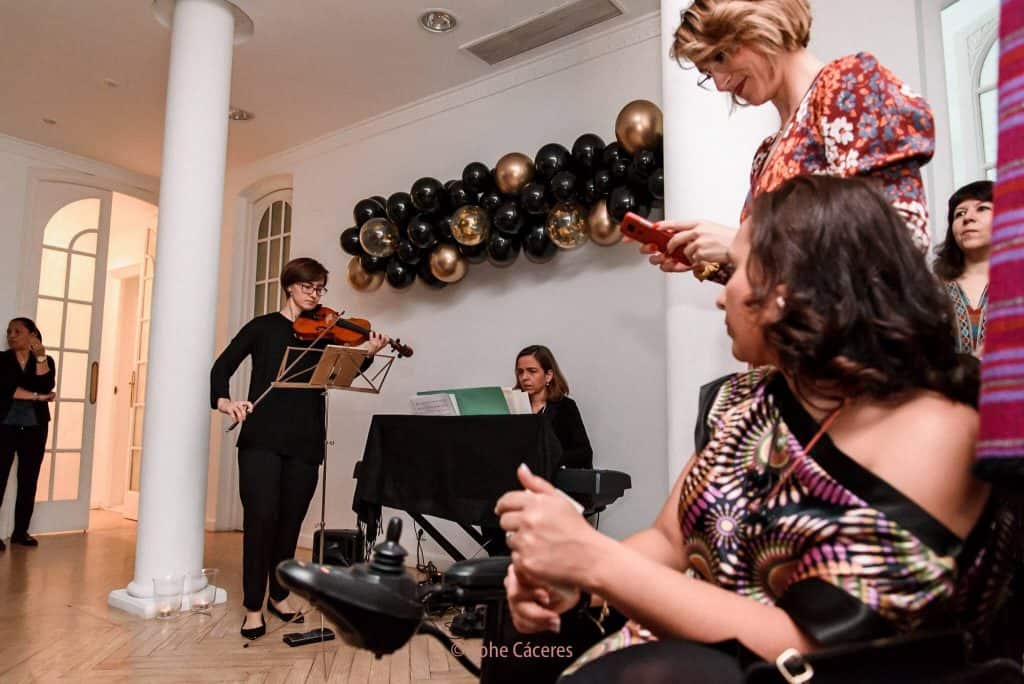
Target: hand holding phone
(640, 229)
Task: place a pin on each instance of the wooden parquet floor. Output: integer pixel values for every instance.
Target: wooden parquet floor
(55, 625)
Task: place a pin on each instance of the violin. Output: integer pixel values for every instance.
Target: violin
(350, 332)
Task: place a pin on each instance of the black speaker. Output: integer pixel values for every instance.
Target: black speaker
(343, 547)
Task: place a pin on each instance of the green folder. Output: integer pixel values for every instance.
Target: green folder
(477, 401)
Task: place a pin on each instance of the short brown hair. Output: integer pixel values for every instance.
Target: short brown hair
(863, 315)
(302, 270)
(559, 387)
(768, 26)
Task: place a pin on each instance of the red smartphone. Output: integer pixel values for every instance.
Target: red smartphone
(640, 229)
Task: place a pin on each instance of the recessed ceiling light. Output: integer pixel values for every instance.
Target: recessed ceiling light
(48, 120)
(238, 114)
(437, 21)
(111, 83)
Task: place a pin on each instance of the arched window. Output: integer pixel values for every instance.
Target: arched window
(273, 227)
(987, 107)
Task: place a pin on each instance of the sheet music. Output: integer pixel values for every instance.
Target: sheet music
(518, 401)
(434, 405)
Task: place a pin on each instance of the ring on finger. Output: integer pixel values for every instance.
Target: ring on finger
(508, 536)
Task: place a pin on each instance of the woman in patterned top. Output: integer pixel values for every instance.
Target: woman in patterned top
(831, 499)
(849, 117)
(962, 262)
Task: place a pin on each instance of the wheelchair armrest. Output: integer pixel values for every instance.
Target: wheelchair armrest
(477, 580)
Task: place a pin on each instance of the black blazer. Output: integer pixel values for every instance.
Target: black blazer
(567, 425)
(13, 376)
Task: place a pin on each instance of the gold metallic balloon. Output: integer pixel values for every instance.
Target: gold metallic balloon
(379, 237)
(638, 126)
(512, 172)
(360, 280)
(567, 225)
(603, 229)
(447, 264)
(470, 225)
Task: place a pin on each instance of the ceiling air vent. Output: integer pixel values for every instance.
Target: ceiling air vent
(543, 29)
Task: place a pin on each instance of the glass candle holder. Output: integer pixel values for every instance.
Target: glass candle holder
(167, 595)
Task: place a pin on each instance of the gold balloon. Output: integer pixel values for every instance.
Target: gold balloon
(360, 280)
(379, 237)
(603, 229)
(512, 172)
(470, 225)
(447, 264)
(638, 126)
(567, 225)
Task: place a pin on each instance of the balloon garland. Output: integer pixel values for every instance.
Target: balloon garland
(558, 200)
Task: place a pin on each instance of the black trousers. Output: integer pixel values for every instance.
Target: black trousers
(28, 443)
(276, 491)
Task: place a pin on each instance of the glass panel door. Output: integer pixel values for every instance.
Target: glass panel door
(137, 398)
(75, 222)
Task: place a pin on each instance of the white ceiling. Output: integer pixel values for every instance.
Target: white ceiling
(312, 67)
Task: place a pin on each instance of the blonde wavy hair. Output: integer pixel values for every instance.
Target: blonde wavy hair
(767, 26)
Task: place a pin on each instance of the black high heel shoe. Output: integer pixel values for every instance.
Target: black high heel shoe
(286, 617)
(254, 632)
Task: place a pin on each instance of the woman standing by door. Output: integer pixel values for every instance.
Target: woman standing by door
(281, 449)
(26, 385)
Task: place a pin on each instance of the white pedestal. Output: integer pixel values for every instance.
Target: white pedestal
(146, 607)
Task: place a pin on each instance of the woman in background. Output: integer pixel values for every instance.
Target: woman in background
(962, 262)
(538, 374)
(26, 385)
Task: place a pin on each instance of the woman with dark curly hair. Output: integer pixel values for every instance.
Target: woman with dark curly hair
(831, 500)
(962, 262)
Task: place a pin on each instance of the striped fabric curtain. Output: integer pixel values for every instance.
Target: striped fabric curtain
(1001, 442)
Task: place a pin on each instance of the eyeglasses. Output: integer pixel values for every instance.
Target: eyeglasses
(719, 61)
(703, 78)
(310, 288)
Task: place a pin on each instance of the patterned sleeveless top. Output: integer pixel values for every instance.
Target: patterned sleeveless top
(846, 555)
(970, 321)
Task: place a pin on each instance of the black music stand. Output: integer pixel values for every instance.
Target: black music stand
(338, 368)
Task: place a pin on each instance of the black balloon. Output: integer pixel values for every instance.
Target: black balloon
(603, 182)
(612, 153)
(656, 184)
(426, 194)
(502, 249)
(619, 170)
(400, 209)
(537, 246)
(449, 183)
(400, 275)
(589, 193)
(367, 209)
(533, 198)
(477, 177)
(587, 151)
(620, 200)
(551, 159)
(444, 229)
(458, 195)
(421, 232)
(645, 162)
(642, 205)
(428, 278)
(408, 253)
(507, 218)
(476, 254)
(380, 200)
(490, 201)
(563, 186)
(350, 241)
(372, 264)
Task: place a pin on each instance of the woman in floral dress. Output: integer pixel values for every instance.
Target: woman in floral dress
(849, 117)
(831, 500)
(962, 262)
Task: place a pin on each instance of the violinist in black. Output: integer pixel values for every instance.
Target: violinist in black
(281, 448)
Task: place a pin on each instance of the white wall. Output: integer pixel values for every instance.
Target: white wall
(600, 309)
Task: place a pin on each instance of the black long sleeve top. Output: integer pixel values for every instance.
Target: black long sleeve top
(13, 376)
(289, 421)
(567, 424)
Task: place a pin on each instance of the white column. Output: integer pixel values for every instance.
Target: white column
(708, 151)
(177, 419)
